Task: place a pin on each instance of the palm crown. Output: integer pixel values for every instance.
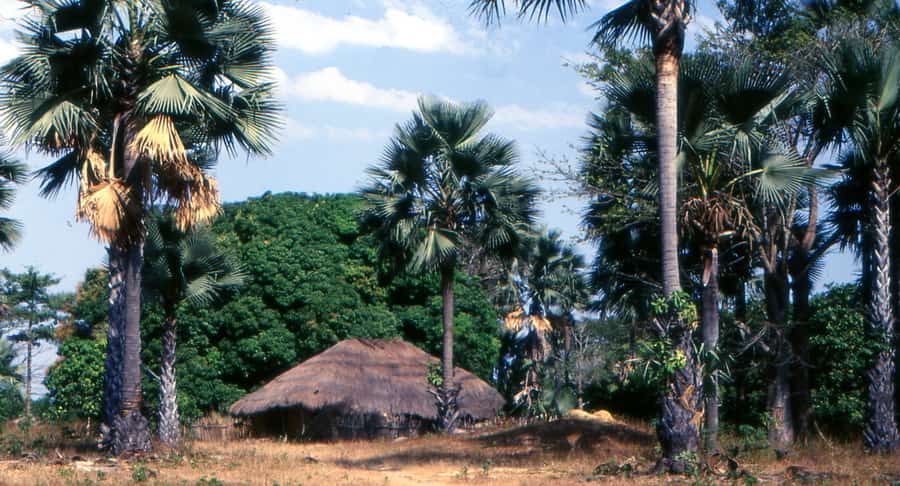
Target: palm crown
(441, 189)
(12, 173)
(185, 267)
(136, 99)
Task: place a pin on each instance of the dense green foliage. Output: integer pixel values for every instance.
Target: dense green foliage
(841, 351)
(75, 382)
(311, 281)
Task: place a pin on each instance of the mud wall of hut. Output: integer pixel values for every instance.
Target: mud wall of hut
(301, 424)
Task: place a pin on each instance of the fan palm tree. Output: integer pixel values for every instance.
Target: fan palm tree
(728, 162)
(181, 267)
(12, 174)
(731, 166)
(860, 107)
(136, 99)
(443, 191)
(662, 24)
(543, 287)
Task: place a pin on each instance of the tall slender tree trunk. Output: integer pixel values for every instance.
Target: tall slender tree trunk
(448, 408)
(880, 433)
(132, 433)
(667, 133)
(168, 403)
(799, 338)
(801, 286)
(112, 382)
(29, 346)
(681, 407)
(709, 324)
(781, 430)
(448, 304)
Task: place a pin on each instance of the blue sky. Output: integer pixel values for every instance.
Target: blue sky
(348, 71)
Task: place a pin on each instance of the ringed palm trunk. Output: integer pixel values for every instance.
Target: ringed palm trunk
(681, 408)
(168, 406)
(709, 325)
(112, 382)
(667, 133)
(881, 433)
(448, 408)
(131, 430)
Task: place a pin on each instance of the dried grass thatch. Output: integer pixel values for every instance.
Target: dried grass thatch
(368, 376)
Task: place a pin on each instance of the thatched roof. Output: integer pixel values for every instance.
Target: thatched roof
(368, 376)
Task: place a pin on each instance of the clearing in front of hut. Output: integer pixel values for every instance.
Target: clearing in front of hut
(565, 451)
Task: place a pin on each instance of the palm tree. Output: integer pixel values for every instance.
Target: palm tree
(12, 174)
(542, 288)
(662, 24)
(731, 108)
(441, 192)
(860, 106)
(729, 164)
(136, 99)
(180, 267)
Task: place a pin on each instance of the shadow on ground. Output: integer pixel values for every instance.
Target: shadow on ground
(517, 446)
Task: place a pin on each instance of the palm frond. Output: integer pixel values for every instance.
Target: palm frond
(490, 11)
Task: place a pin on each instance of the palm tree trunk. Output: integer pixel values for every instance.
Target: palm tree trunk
(448, 408)
(168, 404)
(802, 261)
(681, 414)
(131, 431)
(709, 325)
(799, 338)
(112, 383)
(682, 409)
(881, 433)
(781, 432)
(667, 133)
(447, 350)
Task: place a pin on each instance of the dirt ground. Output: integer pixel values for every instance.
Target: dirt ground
(562, 452)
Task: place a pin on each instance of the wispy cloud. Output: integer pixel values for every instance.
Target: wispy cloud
(331, 85)
(414, 29)
(296, 130)
(558, 115)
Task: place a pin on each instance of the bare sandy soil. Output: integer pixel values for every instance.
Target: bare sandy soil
(562, 452)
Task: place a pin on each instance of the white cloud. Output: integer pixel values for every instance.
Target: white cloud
(331, 85)
(8, 50)
(555, 116)
(10, 11)
(413, 29)
(295, 130)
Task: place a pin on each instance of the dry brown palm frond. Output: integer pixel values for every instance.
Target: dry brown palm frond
(160, 142)
(715, 217)
(93, 170)
(197, 201)
(517, 319)
(111, 210)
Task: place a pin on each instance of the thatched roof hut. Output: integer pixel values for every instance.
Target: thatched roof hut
(362, 384)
